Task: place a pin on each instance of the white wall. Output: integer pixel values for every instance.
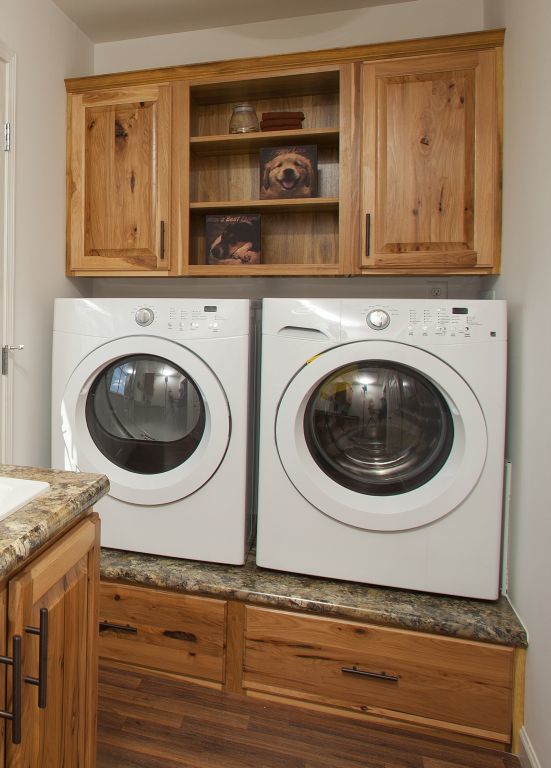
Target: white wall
(48, 48)
(421, 18)
(526, 284)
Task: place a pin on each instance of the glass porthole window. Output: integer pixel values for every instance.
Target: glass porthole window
(378, 428)
(145, 414)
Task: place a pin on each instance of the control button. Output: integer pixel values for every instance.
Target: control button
(194, 325)
(378, 319)
(144, 316)
(213, 325)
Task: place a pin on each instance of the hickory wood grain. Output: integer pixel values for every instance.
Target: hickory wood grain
(175, 633)
(430, 162)
(424, 167)
(437, 680)
(62, 580)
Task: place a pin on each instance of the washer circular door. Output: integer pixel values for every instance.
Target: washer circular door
(148, 413)
(381, 435)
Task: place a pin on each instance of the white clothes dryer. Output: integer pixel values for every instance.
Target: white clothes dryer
(382, 441)
(154, 393)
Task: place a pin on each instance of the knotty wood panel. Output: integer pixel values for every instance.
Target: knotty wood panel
(430, 162)
(175, 633)
(427, 165)
(119, 183)
(439, 678)
(61, 580)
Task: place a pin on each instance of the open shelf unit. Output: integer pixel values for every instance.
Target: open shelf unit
(300, 235)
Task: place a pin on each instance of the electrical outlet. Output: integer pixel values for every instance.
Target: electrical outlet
(437, 290)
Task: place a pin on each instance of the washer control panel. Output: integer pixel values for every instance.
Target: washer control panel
(418, 321)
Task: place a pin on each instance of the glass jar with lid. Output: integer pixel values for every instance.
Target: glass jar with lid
(244, 119)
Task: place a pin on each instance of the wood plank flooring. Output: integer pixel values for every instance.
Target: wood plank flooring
(153, 722)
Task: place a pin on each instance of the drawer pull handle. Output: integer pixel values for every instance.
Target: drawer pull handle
(105, 626)
(14, 661)
(364, 673)
(42, 680)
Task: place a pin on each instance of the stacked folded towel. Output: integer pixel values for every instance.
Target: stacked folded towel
(281, 121)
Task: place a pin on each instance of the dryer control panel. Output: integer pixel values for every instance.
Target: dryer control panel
(177, 319)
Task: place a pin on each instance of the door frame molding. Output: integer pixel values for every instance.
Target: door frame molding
(7, 258)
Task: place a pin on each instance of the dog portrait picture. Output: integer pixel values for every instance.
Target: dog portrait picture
(233, 239)
(288, 172)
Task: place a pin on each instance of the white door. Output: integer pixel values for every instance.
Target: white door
(381, 436)
(7, 217)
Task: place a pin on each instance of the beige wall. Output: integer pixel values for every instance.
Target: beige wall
(48, 48)
(525, 282)
(328, 30)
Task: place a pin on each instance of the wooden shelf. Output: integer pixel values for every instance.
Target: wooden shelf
(246, 142)
(274, 206)
(262, 270)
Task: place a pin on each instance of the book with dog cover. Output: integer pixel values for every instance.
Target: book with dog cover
(288, 172)
(233, 239)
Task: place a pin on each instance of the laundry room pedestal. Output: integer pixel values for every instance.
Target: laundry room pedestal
(445, 666)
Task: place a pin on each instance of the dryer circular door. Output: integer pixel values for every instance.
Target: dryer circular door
(381, 435)
(148, 413)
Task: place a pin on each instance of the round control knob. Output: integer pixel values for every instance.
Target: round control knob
(378, 319)
(144, 316)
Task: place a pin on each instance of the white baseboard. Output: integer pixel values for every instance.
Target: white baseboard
(528, 757)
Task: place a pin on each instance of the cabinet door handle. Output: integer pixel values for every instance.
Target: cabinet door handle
(105, 626)
(365, 673)
(367, 233)
(162, 249)
(14, 661)
(42, 680)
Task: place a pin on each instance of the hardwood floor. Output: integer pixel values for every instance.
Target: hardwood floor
(152, 722)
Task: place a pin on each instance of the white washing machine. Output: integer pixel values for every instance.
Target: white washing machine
(154, 393)
(382, 441)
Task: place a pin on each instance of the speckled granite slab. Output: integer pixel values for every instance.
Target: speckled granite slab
(493, 622)
(29, 528)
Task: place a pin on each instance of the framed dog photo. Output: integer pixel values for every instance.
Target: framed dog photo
(288, 172)
(233, 239)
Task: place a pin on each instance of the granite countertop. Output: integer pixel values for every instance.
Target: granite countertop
(24, 531)
(486, 621)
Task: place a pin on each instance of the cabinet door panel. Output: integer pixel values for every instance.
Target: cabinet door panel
(120, 181)
(64, 581)
(430, 176)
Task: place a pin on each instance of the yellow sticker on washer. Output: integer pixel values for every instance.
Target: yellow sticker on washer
(311, 360)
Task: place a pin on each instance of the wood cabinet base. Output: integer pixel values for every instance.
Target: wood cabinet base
(458, 689)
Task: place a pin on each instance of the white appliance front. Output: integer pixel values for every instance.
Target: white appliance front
(154, 394)
(381, 445)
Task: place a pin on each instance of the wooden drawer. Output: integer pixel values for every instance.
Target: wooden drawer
(425, 679)
(163, 631)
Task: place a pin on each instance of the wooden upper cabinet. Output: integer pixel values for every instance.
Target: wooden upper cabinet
(430, 164)
(407, 138)
(119, 181)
